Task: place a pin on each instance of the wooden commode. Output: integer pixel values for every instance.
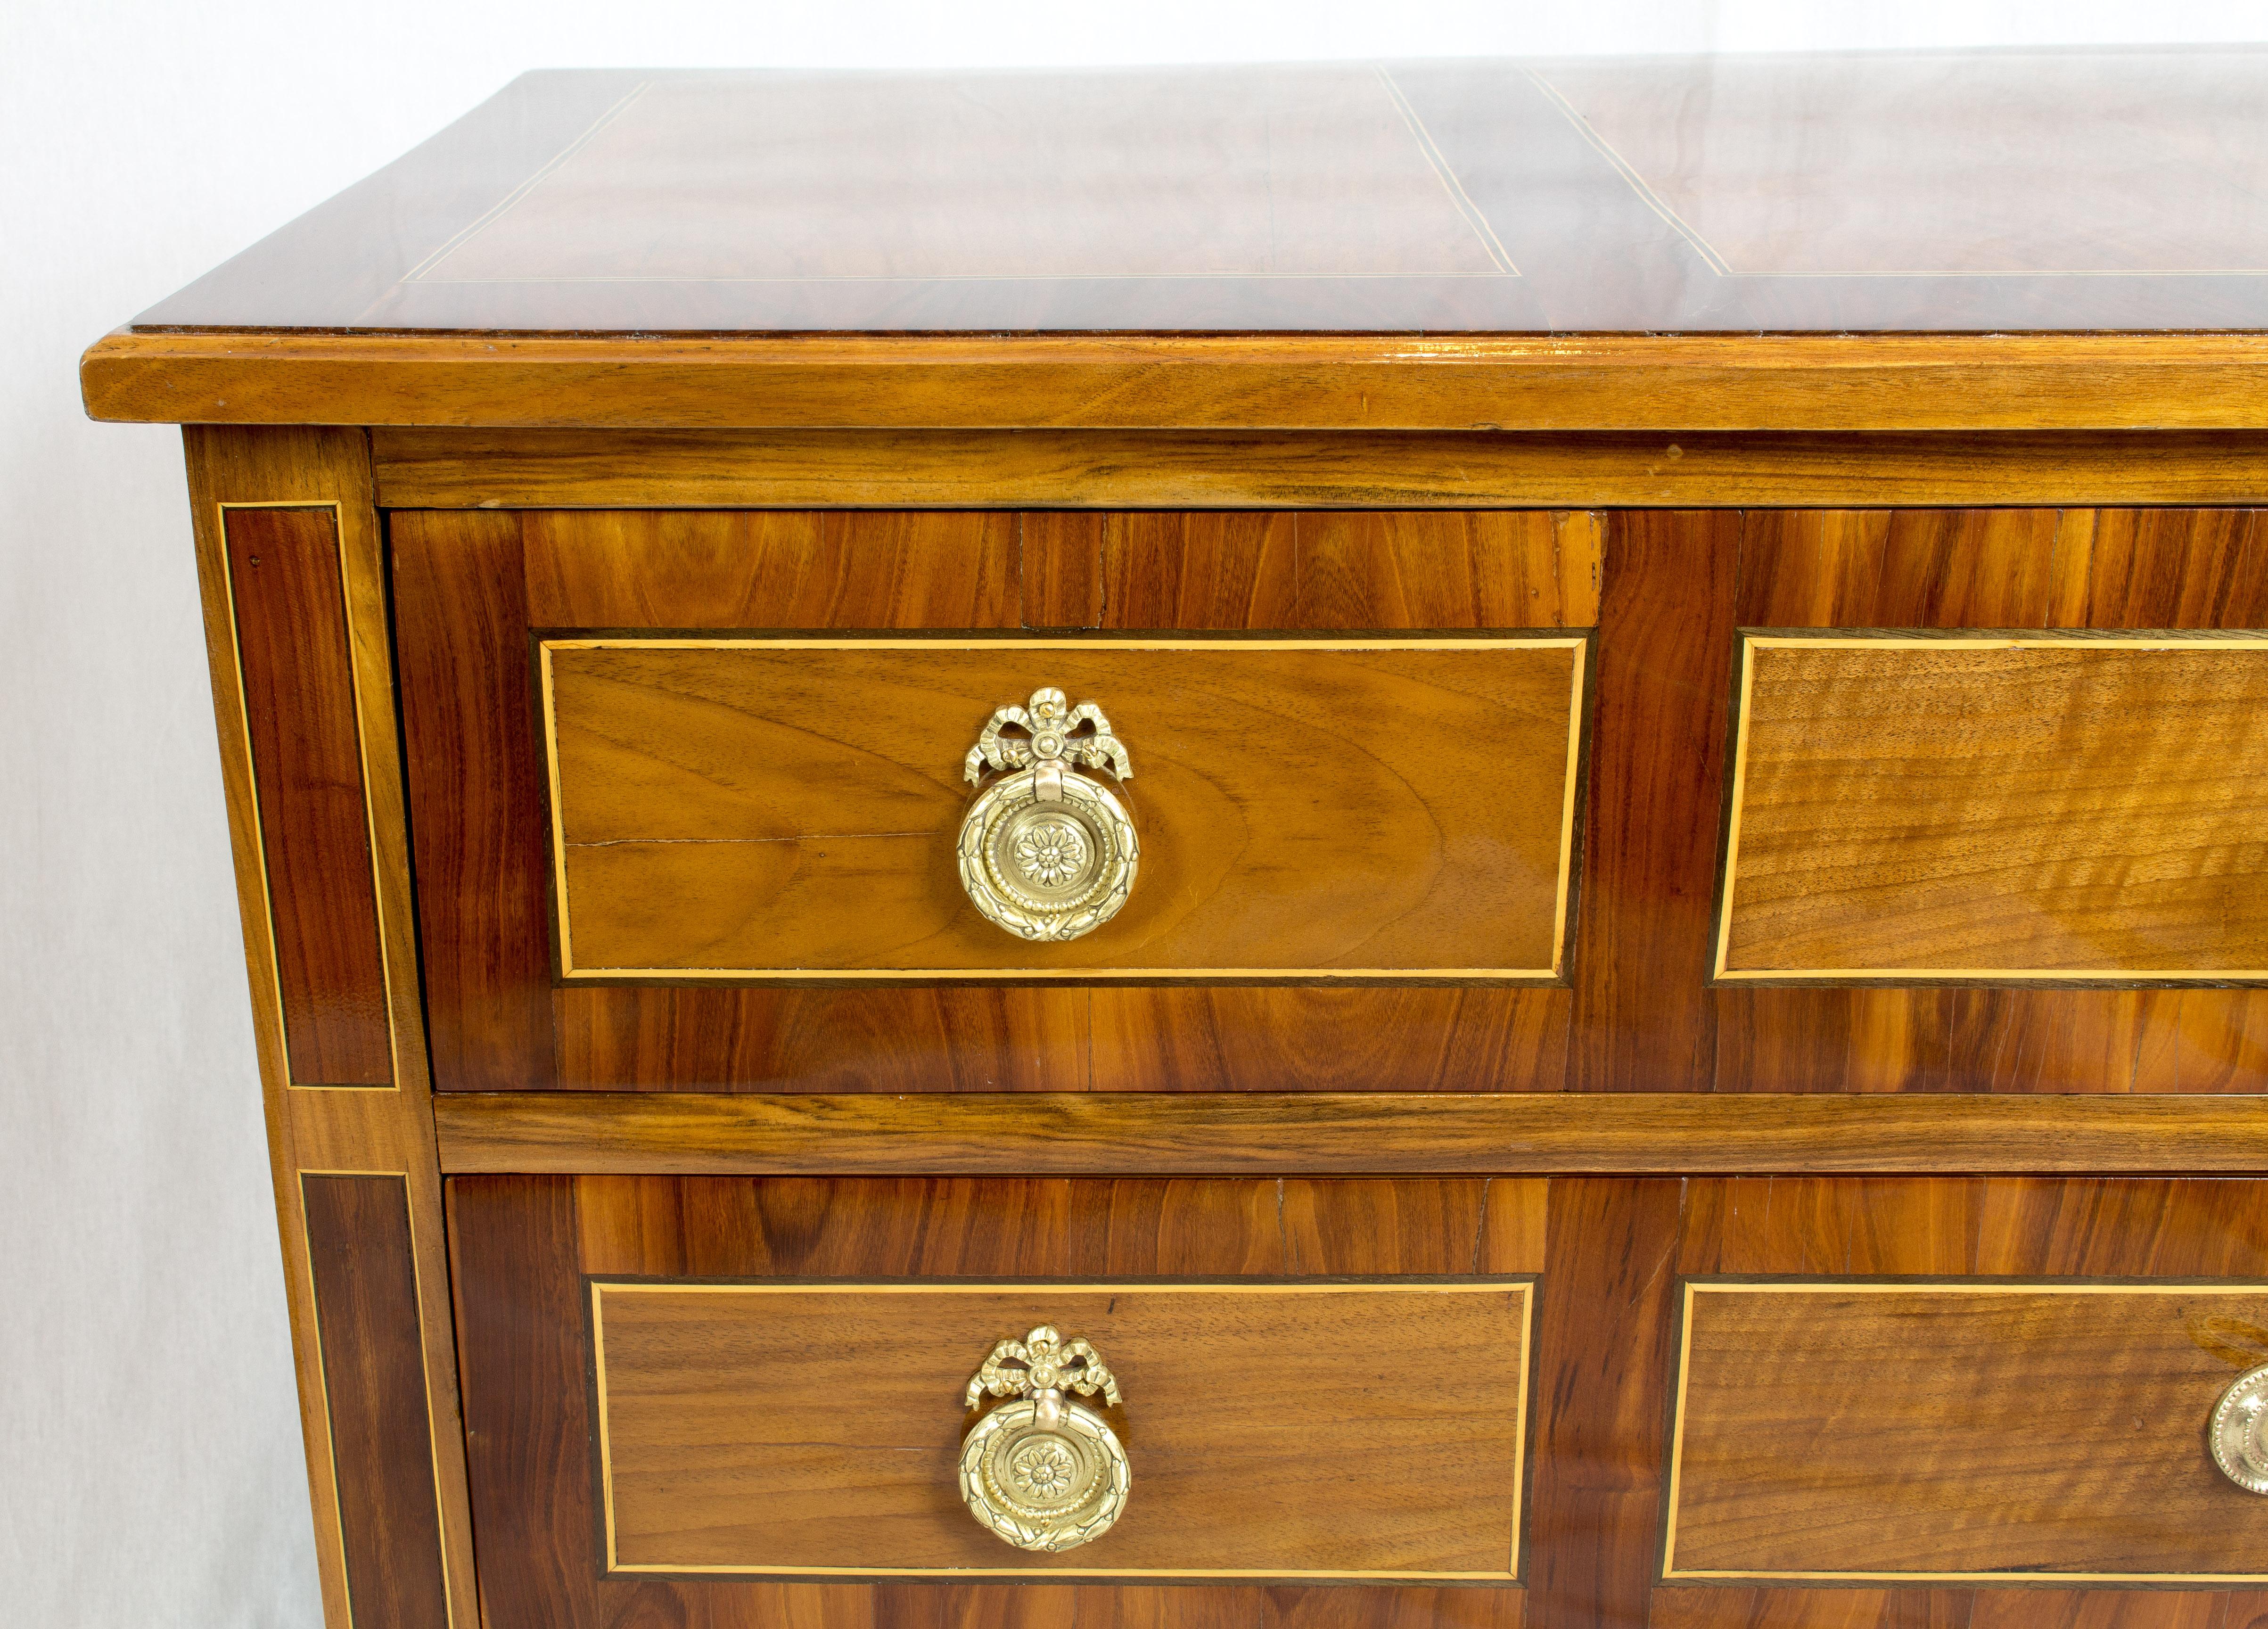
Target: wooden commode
(1342, 847)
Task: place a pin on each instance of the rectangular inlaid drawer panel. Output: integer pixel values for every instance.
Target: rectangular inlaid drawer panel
(1839, 1429)
(1310, 808)
(798, 1428)
(2037, 807)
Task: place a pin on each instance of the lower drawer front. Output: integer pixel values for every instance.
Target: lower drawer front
(1477, 1401)
(1842, 1429)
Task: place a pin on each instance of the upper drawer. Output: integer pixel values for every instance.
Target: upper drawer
(1430, 802)
(670, 831)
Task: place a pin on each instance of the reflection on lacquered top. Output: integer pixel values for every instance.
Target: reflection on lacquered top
(2079, 189)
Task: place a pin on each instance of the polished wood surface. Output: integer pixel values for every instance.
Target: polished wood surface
(523, 1245)
(364, 1272)
(1607, 1327)
(1354, 1133)
(1179, 377)
(430, 469)
(1658, 741)
(470, 589)
(1672, 588)
(1647, 194)
(1268, 1426)
(1616, 1253)
(1916, 808)
(2084, 569)
(789, 808)
(385, 1135)
(2022, 382)
(1943, 1431)
(289, 609)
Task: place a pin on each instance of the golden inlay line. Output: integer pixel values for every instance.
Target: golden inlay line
(1577, 644)
(1523, 1285)
(1670, 1570)
(2183, 643)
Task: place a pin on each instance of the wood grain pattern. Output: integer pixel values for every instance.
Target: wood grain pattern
(1642, 1022)
(469, 586)
(1497, 569)
(2031, 1431)
(365, 1295)
(467, 707)
(332, 1130)
(770, 568)
(2017, 1227)
(2006, 569)
(1643, 954)
(450, 468)
(1908, 810)
(523, 1243)
(1355, 1132)
(788, 809)
(1808, 383)
(731, 1412)
(291, 649)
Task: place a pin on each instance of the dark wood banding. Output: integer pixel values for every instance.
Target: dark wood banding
(373, 1362)
(293, 651)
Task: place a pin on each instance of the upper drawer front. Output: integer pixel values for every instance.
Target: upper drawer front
(673, 833)
(1432, 801)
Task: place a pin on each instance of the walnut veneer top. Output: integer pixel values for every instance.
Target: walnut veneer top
(2066, 190)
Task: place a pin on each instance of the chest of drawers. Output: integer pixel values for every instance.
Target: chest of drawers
(1470, 844)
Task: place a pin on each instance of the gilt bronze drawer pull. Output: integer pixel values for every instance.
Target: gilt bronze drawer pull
(2240, 1431)
(1045, 1472)
(1048, 852)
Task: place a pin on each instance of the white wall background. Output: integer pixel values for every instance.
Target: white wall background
(149, 1466)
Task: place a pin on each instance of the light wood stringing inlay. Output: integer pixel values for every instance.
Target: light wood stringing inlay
(1951, 1431)
(1367, 1429)
(1327, 808)
(1998, 809)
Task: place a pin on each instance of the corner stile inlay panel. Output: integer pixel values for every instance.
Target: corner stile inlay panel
(1950, 1432)
(362, 1280)
(292, 637)
(298, 640)
(1240, 1394)
(2071, 808)
(785, 809)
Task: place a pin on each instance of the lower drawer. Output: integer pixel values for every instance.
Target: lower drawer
(1493, 1401)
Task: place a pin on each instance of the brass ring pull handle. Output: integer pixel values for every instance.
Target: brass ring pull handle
(1048, 852)
(2240, 1431)
(1045, 1472)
